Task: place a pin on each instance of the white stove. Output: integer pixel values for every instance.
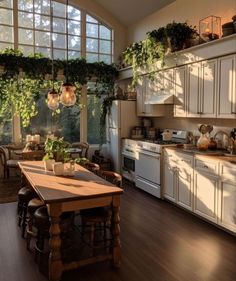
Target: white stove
(148, 161)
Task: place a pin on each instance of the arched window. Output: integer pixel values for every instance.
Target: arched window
(25, 25)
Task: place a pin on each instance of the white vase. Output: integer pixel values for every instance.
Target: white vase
(58, 168)
(48, 164)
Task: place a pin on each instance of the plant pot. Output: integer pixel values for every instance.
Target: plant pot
(48, 164)
(58, 168)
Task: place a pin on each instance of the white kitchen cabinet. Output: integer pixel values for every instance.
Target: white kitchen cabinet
(169, 184)
(206, 187)
(178, 179)
(202, 89)
(180, 91)
(205, 195)
(226, 107)
(227, 196)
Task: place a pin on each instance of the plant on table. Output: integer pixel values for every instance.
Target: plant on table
(56, 149)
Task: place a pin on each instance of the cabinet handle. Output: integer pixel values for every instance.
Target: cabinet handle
(233, 112)
(205, 166)
(198, 112)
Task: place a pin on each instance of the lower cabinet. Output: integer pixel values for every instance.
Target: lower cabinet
(178, 174)
(205, 195)
(227, 205)
(207, 187)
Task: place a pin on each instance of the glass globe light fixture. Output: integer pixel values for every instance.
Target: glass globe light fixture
(68, 96)
(53, 100)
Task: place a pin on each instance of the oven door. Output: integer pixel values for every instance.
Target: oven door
(128, 166)
(148, 166)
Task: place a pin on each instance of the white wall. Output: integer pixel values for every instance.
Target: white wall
(182, 10)
(192, 124)
(99, 12)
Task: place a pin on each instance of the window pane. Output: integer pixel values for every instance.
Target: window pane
(74, 27)
(73, 55)
(68, 125)
(6, 34)
(42, 123)
(92, 45)
(42, 22)
(92, 30)
(26, 49)
(59, 9)
(42, 6)
(6, 3)
(105, 33)
(91, 19)
(26, 5)
(59, 54)
(73, 13)
(6, 16)
(25, 36)
(42, 38)
(105, 47)
(94, 113)
(3, 46)
(25, 19)
(74, 42)
(5, 131)
(91, 57)
(105, 58)
(44, 51)
(59, 25)
(59, 41)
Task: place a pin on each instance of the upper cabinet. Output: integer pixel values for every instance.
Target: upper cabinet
(227, 87)
(180, 91)
(202, 89)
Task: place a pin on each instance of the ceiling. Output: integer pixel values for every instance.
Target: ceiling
(131, 11)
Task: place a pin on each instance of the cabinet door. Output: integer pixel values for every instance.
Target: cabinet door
(180, 91)
(226, 97)
(169, 182)
(205, 196)
(184, 189)
(208, 88)
(193, 90)
(227, 205)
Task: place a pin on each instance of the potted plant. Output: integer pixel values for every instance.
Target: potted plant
(55, 152)
(178, 35)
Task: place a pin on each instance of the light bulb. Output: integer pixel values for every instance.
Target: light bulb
(68, 96)
(53, 100)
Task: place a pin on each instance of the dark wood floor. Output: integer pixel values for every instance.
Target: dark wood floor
(160, 242)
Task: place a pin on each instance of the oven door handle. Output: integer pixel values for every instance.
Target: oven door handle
(156, 155)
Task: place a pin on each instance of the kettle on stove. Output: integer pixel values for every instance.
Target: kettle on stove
(166, 135)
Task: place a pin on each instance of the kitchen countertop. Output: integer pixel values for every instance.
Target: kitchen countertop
(214, 154)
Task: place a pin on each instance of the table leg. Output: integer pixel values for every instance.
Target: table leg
(55, 262)
(115, 230)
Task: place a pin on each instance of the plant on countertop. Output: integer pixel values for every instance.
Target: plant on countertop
(174, 36)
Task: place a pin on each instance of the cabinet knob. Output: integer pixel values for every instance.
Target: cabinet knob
(205, 166)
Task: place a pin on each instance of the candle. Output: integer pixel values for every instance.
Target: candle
(28, 138)
(37, 138)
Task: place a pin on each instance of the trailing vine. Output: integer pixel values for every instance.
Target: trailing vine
(22, 78)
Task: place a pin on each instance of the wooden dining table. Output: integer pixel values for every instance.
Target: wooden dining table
(62, 194)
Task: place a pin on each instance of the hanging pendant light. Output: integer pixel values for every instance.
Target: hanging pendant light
(68, 96)
(53, 96)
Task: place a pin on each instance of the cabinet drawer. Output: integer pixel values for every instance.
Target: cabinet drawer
(185, 160)
(228, 171)
(206, 166)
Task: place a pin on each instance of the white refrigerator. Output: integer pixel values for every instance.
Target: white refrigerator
(120, 121)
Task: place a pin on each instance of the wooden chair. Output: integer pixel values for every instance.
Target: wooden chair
(6, 162)
(93, 167)
(84, 146)
(99, 218)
